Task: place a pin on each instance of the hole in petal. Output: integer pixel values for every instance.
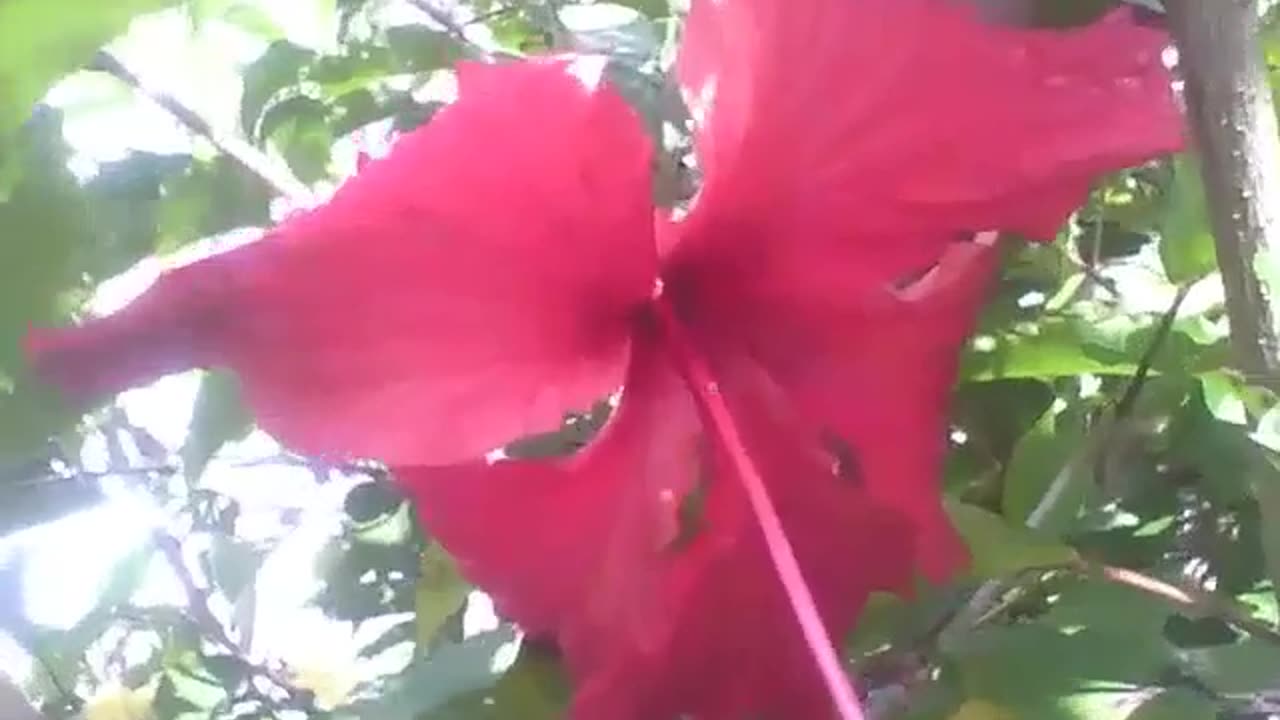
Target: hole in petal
(690, 509)
(906, 282)
(578, 430)
(844, 459)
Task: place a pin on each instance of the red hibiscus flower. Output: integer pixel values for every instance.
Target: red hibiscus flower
(785, 351)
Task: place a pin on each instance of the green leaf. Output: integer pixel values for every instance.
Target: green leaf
(440, 593)
(210, 198)
(1047, 674)
(195, 684)
(1054, 347)
(1229, 463)
(1268, 496)
(42, 40)
(1000, 549)
(1097, 654)
(417, 49)
(169, 705)
(219, 417)
(1176, 704)
(977, 709)
(1186, 243)
(652, 8)
(230, 671)
(620, 32)
(124, 201)
(45, 230)
(1048, 477)
(247, 15)
(1249, 666)
(299, 127)
(1223, 397)
(280, 67)
(533, 689)
(448, 673)
(233, 565)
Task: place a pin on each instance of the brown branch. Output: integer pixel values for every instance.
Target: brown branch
(1234, 127)
(1194, 600)
(279, 180)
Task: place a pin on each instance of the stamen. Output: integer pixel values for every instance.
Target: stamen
(701, 381)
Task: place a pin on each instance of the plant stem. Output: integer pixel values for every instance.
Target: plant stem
(279, 180)
(706, 390)
(1195, 600)
(1232, 111)
(1234, 126)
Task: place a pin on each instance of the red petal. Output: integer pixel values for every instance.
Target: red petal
(868, 365)
(652, 627)
(469, 288)
(943, 123)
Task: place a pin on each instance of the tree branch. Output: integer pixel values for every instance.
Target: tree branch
(200, 613)
(455, 29)
(1194, 601)
(1234, 127)
(279, 180)
(443, 18)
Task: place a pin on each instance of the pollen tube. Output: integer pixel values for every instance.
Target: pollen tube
(697, 373)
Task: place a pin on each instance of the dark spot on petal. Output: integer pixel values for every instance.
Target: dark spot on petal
(691, 510)
(577, 431)
(844, 459)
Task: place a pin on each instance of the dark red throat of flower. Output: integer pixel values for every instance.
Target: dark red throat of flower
(702, 384)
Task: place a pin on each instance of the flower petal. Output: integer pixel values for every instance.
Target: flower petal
(900, 116)
(868, 367)
(469, 288)
(649, 612)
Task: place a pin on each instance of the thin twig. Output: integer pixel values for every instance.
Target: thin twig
(68, 698)
(1127, 401)
(1090, 267)
(278, 179)
(200, 613)
(1196, 601)
(1095, 450)
(491, 14)
(445, 19)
